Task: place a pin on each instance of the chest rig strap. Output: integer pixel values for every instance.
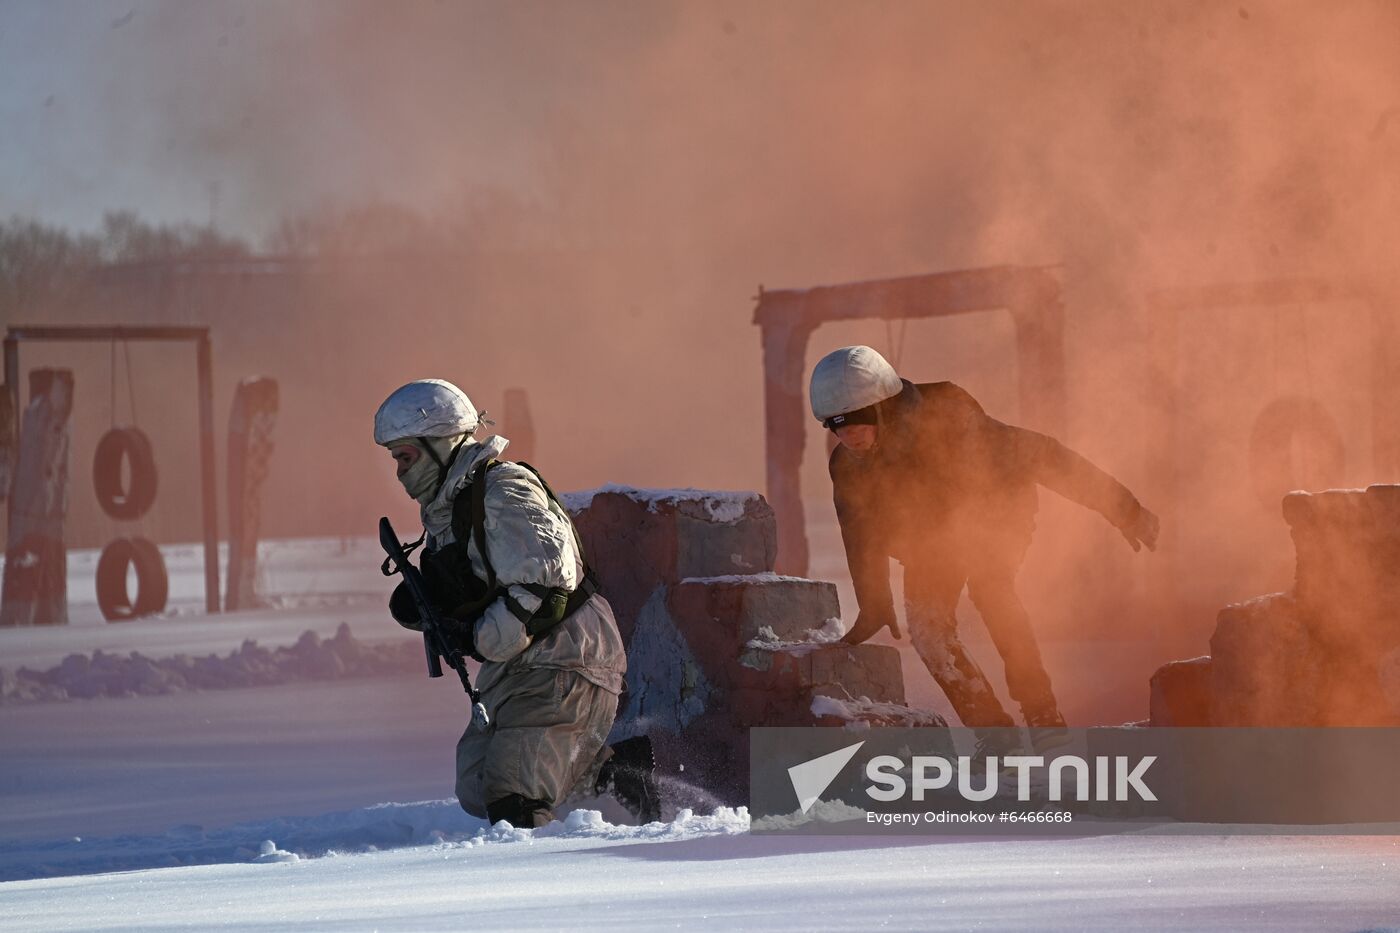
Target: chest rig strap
(556, 603)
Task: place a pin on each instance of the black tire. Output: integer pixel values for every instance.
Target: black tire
(152, 582)
(133, 446)
(1285, 428)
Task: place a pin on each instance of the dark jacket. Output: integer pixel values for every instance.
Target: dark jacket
(947, 478)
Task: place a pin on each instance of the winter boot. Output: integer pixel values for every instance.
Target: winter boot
(1001, 742)
(520, 812)
(628, 775)
(1047, 729)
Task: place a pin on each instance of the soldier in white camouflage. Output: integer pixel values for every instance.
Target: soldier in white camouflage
(502, 559)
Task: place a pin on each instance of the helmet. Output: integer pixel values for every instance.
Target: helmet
(849, 379)
(426, 408)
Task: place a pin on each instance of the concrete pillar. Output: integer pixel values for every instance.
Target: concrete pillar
(35, 588)
(204, 372)
(519, 426)
(784, 362)
(255, 404)
(9, 439)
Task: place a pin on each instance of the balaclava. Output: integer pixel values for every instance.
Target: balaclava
(423, 480)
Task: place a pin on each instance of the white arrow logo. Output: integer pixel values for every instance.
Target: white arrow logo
(811, 778)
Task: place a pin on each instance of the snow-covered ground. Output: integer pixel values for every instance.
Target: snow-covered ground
(708, 874)
(313, 584)
(292, 572)
(322, 805)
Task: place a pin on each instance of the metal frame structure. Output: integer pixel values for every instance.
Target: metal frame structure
(203, 355)
(1165, 309)
(1031, 294)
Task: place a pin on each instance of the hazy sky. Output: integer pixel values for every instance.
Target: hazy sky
(637, 168)
(930, 134)
(159, 105)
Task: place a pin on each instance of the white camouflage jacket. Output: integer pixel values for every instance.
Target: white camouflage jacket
(529, 541)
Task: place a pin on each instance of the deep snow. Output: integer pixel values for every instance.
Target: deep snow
(294, 807)
(589, 875)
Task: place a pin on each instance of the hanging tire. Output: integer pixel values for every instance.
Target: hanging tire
(134, 447)
(1295, 444)
(152, 583)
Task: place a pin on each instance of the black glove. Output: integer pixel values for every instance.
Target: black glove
(868, 625)
(459, 634)
(404, 609)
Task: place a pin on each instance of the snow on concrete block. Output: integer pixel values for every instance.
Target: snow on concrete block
(695, 689)
(682, 668)
(1265, 666)
(864, 713)
(839, 670)
(717, 643)
(1348, 569)
(1181, 693)
(788, 608)
(639, 539)
(709, 505)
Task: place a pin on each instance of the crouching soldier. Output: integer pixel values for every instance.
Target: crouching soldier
(923, 475)
(502, 558)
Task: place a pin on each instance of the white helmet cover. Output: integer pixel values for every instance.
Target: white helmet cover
(849, 379)
(425, 408)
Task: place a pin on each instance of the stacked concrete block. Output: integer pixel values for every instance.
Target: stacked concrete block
(639, 539)
(1181, 694)
(1347, 581)
(1347, 587)
(1325, 654)
(1265, 669)
(717, 642)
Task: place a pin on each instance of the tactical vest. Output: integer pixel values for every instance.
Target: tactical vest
(464, 596)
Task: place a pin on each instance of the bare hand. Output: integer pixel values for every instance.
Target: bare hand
(868, 625)
(1143, 530)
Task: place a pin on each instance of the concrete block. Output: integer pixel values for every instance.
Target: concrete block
(639, 539)
(1347, 579)
(1265, 666)
(789, 608)
(1181, 693)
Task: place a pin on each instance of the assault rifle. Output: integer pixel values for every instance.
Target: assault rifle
(436, 644)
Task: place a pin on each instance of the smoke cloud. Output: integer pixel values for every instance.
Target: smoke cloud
(619, 177)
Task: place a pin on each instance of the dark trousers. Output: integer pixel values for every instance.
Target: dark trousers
(987, 566)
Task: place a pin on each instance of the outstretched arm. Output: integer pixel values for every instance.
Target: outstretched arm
(1021, 452)
(1056, 467)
